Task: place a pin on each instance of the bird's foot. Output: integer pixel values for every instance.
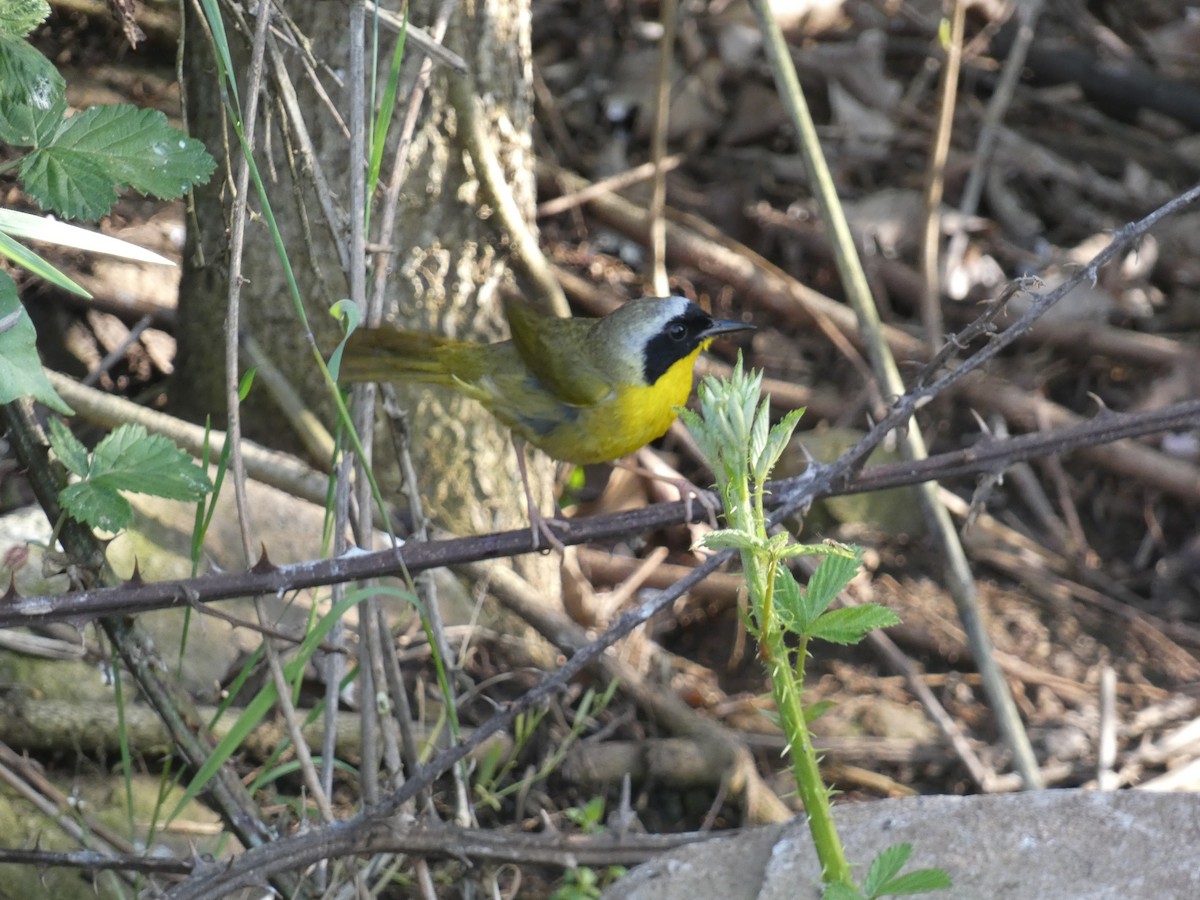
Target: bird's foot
(708, 500)
(539, 527)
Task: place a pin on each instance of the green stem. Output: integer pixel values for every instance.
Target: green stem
(744, 512)
(786, 685)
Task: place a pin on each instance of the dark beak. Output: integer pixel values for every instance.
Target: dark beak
(724, 326)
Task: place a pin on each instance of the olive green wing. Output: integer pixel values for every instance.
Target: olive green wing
(558, 352)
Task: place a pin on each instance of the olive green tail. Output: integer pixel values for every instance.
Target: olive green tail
(390, 354)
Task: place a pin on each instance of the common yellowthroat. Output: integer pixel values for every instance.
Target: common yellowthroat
(582, 390)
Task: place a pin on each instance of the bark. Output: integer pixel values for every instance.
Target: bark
(445, 262)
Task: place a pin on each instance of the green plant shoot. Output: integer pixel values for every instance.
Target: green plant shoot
(734, 432)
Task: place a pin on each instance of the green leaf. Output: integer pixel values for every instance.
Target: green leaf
(21, 372)
(129, 459)
(789, 601)
(43, 228)
(760, 430)
(885, 867)
(704, 433)
(70, 451)
(387, 109)
(823, 549)
(922, 881)
(27, 259)
(839, 891)
(849, 624)
(138, 149)
(829, 580)
(776, 443)
(106, 148)
(349, 314)
(729, 538)
(814, 711)
(246, 383)
(96, 506)
(32, 94)
(68, 183)
(19, 17)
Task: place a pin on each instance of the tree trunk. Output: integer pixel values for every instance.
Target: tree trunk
(445, 262)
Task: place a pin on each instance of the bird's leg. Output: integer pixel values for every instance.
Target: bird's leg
(537, 523)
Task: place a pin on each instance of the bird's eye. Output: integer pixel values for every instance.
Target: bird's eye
(677, 331)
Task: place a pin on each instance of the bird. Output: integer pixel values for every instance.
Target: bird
(582, 390)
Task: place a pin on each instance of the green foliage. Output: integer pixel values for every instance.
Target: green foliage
(19, 17)
(128, 459)
(73, 167)
(733, 429)
(588, 818)
(584, 882)
(884, 879)
(493, 771)
(851, 624)
(32, 93)
(259, 707)
(77, 170)
(27, 259)
(21, 372)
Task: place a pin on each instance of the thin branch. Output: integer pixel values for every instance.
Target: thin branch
(1027, 12)
(932, 319)
(668, 15)
(834, 480)
(94, 861)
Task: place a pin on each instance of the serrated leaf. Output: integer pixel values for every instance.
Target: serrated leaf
(848, 624)
(70, 451)
(777, 442)
(19, 17)
(789, 601)
(839, 891)
(728, 539)
(129, 459)
(706, 435)
(138, 149)
(760, 430)
(829, 580)
(886, 866)
(921, 881)
(69, 183)
(825, 548)
(95, 505)
(21, 372)
(32, 94)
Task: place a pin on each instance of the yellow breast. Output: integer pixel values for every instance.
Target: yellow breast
(628, 419)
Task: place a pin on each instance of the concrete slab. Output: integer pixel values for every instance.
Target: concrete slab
(1045, 845)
